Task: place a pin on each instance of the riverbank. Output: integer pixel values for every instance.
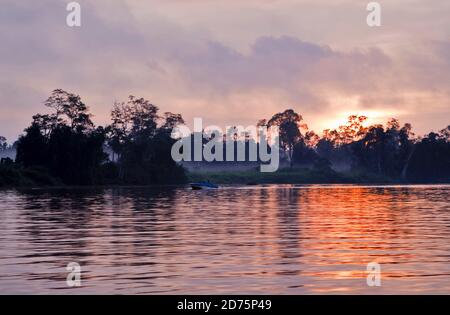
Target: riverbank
(11, 176)
(37, 177)
(291, 176)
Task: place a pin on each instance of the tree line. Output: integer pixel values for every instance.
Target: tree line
(65, 147)
(389, 150)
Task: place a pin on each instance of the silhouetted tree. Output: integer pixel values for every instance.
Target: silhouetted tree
(430, 160)
(32, 148)
(69, 109)
(64, 142)
(288, 123)
(142, 141)
(384, 151)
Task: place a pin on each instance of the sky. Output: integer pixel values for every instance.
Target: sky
(230, 62)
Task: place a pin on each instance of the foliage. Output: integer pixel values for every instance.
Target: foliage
(68, 145)
(65, 147)
(389, 152)
(289, 124)
(142, 141)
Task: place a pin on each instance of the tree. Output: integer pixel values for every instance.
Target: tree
(370, 149)
(66, 143)
(444, 134)
(377, 149)
(137, 118)
(384, 150)
(144, 116)
(407, 147)
(69, 109)
(47, 123)
(120, 129)
(75, 157)
(3, 143)
(171, 121)
(142, 141)
(32, 148)
(430, 161)
(345, 134)
(288, 123)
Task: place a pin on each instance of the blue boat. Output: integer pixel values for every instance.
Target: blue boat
(203, 185)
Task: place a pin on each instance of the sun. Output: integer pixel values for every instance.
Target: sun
(343, 107)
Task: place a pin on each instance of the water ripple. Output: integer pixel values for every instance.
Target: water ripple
(284, 239)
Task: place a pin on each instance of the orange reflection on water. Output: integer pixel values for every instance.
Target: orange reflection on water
(279, 239)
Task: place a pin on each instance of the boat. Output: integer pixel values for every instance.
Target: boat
(203, 185)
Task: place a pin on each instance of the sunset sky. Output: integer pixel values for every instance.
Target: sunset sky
(230, 62)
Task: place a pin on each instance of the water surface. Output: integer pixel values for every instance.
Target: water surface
(254, 240)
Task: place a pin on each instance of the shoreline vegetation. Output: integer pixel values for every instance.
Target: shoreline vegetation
(65, 149)
(290, 176)
(33, 179)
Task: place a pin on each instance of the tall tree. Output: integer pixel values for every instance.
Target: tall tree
(120, 129)
(353, 130)
(64, 142)
(142, 141)
(69, 109)
(288, 123)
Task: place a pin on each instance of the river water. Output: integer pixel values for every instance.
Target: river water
(274, 239)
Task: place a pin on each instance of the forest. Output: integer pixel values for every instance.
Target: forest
(64, 147)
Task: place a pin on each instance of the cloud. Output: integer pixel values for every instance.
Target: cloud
(311, 74)
(176, 55)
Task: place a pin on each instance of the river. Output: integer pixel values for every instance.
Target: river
(273, 239)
